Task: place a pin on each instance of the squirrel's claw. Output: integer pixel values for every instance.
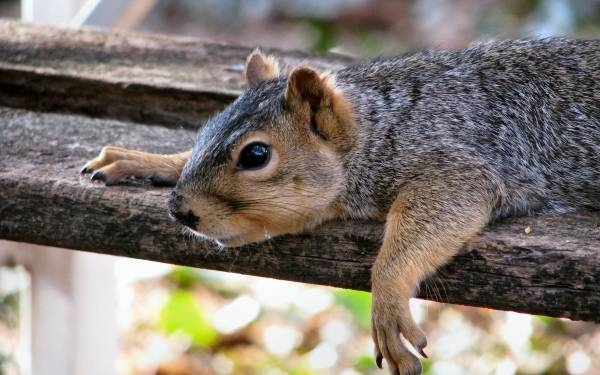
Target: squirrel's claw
(389, 322)
(98, 176)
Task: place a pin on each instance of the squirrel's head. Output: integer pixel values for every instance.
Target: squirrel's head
(271, 162)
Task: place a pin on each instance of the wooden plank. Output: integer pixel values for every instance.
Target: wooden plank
(176, 82)
(138, 77)
(554, 271)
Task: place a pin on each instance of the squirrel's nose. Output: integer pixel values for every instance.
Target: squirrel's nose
(187, 218)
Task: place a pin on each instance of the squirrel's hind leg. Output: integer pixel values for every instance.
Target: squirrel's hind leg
(114, 164)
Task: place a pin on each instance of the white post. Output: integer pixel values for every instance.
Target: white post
(50, 11)
(75, 13)
(93, 287)
(74, 324)
(98, 13)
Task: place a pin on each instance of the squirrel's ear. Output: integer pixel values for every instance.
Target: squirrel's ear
(304, 84)
(329, 113)
(260, 67)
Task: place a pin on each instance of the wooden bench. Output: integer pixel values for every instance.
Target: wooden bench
(66, 93)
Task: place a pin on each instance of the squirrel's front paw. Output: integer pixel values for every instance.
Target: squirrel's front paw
(114, 164)
(390, 319)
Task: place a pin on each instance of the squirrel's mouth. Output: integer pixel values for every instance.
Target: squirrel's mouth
(230, 241)
(224, 241)
(242, 238)
(233, 241)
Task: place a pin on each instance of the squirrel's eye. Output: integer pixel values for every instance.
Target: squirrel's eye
(256, 155)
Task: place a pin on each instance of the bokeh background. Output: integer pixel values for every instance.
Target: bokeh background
(177, 320)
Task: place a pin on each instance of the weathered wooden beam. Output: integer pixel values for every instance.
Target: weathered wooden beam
(555, 270)
(172, 81)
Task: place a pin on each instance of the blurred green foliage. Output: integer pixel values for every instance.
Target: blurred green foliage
(182, 313)
(9, 309)
(358, 303)
(325, 34)
(5, 361)
(364, 363)
(184, 277)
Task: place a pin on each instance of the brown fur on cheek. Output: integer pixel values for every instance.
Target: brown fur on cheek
(241, 230)
(288, 210)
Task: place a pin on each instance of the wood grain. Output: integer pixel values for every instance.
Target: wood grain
(153, 79)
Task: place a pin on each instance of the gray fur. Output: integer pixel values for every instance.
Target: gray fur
(527, 111)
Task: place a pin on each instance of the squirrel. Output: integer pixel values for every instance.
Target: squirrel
(435, 143)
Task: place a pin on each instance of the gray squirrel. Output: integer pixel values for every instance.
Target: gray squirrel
(436, 143)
